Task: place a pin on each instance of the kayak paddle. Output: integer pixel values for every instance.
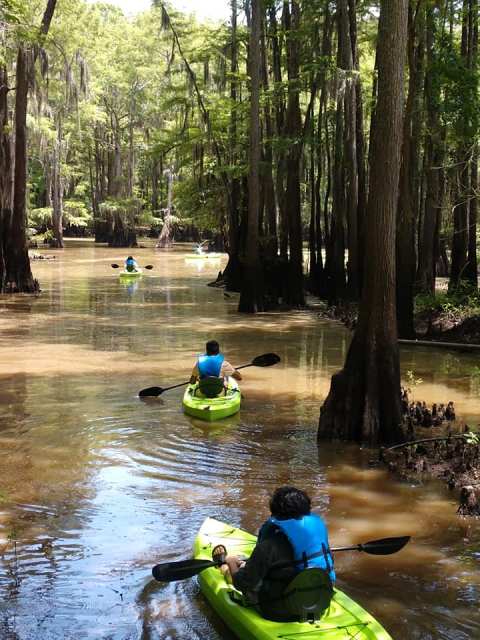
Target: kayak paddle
(147, 266)
(265, 360)
(172, 571)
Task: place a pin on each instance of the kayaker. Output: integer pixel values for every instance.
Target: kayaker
(131, 264)
(292, 533)
(213, 363)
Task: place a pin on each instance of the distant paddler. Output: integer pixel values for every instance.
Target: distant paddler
(131, 265)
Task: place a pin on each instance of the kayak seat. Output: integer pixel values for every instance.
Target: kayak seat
(308, 595)
(211, 386)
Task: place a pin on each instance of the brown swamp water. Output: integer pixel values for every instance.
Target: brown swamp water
(97, 486)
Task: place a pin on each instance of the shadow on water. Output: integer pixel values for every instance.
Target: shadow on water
(96, 485)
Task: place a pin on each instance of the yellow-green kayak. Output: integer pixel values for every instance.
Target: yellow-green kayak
(198, 406)
(130, 275)
(343, 620)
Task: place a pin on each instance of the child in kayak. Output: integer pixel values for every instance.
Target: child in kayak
(213, 363)
(131, 264)
(291, 540)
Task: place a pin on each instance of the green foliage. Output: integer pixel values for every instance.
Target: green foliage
(40, 217)
(464, 299)
(472, 438)
(411, 379)
(76, 214)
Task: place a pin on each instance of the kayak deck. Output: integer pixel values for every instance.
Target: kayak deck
(343, 619)
(211, 409)
(130, 274)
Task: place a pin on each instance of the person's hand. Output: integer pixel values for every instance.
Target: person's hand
(231, 566)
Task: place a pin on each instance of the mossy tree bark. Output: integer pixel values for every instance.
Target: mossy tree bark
(364, 399)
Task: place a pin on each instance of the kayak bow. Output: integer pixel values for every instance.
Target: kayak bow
(210, 409)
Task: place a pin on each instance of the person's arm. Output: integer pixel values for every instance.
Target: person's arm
(195, 375)
(228, 370)
(248, 577)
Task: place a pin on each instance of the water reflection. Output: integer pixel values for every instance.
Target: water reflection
(96, 486)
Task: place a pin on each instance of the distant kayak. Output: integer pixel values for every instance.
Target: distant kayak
(203, 256)
(342, 620)
(211, 409)
(130, 275)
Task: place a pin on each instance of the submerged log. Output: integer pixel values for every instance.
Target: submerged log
(461, 346)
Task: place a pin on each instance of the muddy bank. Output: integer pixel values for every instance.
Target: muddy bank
(433, 325)
(452, 458)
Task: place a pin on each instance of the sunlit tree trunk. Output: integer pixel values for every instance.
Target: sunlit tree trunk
(57, 190)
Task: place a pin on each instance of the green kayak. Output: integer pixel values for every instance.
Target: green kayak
(343, 619)
(198, 406)
(130, 275)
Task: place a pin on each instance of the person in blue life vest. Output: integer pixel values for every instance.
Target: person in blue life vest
(213, 363)
(131, 264)
(292, 539)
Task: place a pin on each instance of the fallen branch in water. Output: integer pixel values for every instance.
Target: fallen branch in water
(439, 439)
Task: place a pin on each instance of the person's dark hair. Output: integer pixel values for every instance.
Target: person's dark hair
(130, 258)
(212, 348)
(289, 502)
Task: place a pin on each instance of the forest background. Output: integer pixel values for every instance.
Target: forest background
(260, 135)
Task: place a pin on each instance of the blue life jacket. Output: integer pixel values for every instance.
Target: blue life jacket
(308, 537)
(210, 365)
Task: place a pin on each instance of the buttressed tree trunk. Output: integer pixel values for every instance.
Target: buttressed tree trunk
(364, 399)
(251, 295)
(15, 272)
(18, 274)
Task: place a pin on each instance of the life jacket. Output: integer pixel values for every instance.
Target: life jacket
(130, 265)
(309, 539)
(210, 365)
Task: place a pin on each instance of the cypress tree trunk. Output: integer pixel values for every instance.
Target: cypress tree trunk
(294, 294)
(19, 278)
(233, 270)
(471, 269)
(6, 174)
(251, 295)
(364, 399)
(433, 160)
(407, 213)
(15, 272)
(57, 191)
(461, 215)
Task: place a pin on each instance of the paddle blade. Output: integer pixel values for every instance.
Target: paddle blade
(150, 391)
(266, 360)
(115, 266)
(148, 266)
(172, 571)
(385, 546)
